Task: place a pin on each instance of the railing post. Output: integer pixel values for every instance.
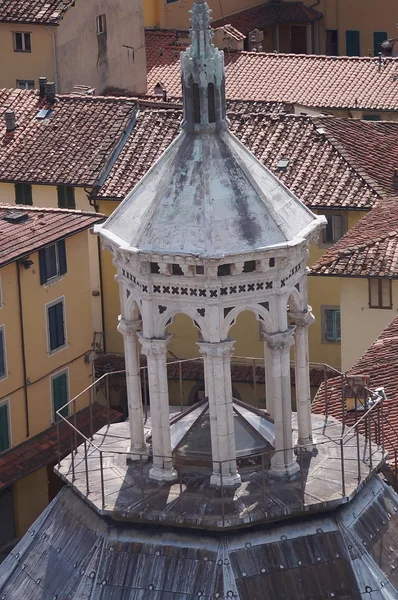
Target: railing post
(342, 401)
(325, 382)
(342, 466)
(58, 441)
(102, 480)
(222, 494)
(180, 479)
(263, 479)
(72, 456)
(75, 422)
(300, 454)
(86, 467)
(90, 395)
(370, 443)
(181, 388)
(144, 370)
(255, 383)
(108, 402)
(358, 456)
(142, 480)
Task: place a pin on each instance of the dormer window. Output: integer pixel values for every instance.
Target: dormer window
(249, 266)
(176, 270)
(224, 270)
(154, 267)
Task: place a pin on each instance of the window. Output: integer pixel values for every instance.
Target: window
(22, 42)
(101, 24)
(25, 84)
(380, 293)
(60, 394)
(331, 330)
(23, 193)
(352, 41)
(66, 196)
(56, 325)
(335, 228)
(331, 42)
(378, 38)
(366, 117)
(196, 103)
(52, 261)
(5, 441)
(211, 102)
(3, 354)
(171, 1)
(176, 270)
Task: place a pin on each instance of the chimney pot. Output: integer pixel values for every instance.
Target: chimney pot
(10, 120)
(42, 86)
(395, 180)
(50, 90)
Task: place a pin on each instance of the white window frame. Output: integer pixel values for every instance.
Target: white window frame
(23, 33)
(54, 376)
(5, 376)
(25, 83)
(101, 24)
(2, 402)
(46, 307)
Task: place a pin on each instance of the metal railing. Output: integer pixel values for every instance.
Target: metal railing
(84, 450)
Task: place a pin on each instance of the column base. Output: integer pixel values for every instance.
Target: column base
(227, 480)
(279, 471)
(137, 454)
(161, 475)
(307, 445)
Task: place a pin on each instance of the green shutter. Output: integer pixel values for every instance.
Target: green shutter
(352, 43)
(42, 266)
(60, 394)
(337, 325)
(332, 325)
(56, 325)
(61, 196)
(378, 38)
(62, 257)
(70, 197)
(4, 428)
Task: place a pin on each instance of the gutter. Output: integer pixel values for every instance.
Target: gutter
(54, 56)
(17, 264)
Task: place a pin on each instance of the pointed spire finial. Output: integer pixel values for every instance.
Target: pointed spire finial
(203, 76)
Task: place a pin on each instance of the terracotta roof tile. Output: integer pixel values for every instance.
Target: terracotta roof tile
(380, 362)
(70, 146)
(42, 449)
(268, 14)
(32, 11)
(317, 172)
(320, 81)
(41, 226)
(369, 249)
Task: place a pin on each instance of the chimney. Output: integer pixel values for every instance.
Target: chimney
(10, 120)
(395, 180)
(42, 86)
(50, 91)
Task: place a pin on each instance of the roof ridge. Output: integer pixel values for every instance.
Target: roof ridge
(73, 211)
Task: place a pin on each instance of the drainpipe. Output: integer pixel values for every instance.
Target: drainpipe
(25, 386)
(96, 209)
(54, 56)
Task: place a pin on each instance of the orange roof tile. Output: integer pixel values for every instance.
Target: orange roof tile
(39, 227)
(325, 82)
(369, 249)
(32, 11)
(317, 172)
(380, 362)
(70, 146)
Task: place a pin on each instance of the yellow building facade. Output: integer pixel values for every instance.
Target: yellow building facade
(46, 341)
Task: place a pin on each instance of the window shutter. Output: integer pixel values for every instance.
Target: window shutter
(337, 227)
(337, 325)
(4, 432)
(352, 43)
(42, 265)
(373, 293)
(62, 257)
(2, 356)
(70, 197)
(61, 196)
(329, 325)
(386, 300)
(28, 195)
(60, 324)
(60, 394)
(56, 325)
(52, 324)
(329, 229)
(378, 38)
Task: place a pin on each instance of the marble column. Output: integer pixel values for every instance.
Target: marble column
(302, 321)
(217, 365)
(156, 353)
(279, 390)
(129, 330)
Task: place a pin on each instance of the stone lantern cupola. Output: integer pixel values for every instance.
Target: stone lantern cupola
(210, 232)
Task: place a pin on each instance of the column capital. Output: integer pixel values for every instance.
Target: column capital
(215, 349)
(302, 319)
(129, 328)
(154, 346)
(280, 340)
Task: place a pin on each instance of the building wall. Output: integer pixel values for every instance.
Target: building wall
(30, 499)
(360, 324)
(26, 65)
(115, 58)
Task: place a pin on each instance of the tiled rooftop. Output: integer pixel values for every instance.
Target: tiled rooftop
(369, 249)
(70, 146)
(268, 14)
(32, 11)
(317, 172)
(41, 450)
(380, 362)
(38, 227)
(325, 82)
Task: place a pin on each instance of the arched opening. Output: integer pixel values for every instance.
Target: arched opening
(211, 102)
(196, 103)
